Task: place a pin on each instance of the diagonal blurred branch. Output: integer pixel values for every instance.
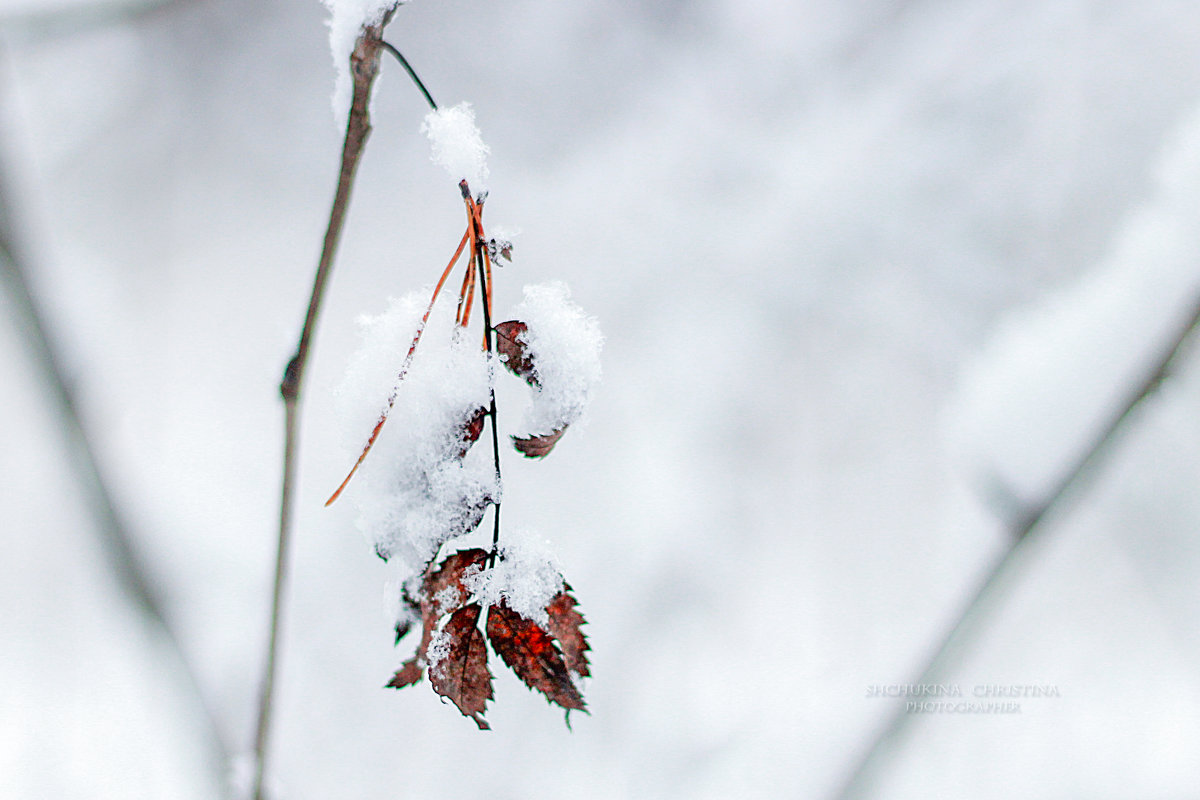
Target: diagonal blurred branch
(130, 568)
(364, 67)
(1023, 528)
(72, 19)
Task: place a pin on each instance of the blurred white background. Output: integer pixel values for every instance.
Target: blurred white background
(839, 251)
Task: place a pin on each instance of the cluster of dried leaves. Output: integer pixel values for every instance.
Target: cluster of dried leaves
(550, 658)
(453, 650)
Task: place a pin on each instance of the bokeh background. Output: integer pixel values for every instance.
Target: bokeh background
(871, 273)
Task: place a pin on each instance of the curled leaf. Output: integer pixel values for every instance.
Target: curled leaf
(564, 626)
(510, 345)
(498, 247)
(538, 445)
(531, 653)
(462, 674)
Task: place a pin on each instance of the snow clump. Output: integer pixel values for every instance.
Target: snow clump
(526, 577)
(414, 491)
(564, 346)
(347, 18)
(457, 144)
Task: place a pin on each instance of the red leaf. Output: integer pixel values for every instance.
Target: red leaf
(462, 675)
(509, 344)
(409, 673)
(538, 445)
(531, 653)
(564, 626)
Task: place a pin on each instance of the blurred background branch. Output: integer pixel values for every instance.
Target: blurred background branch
(124, 559)
(38, 24)
(975, 612)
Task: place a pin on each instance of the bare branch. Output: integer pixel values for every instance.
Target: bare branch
(364, 68)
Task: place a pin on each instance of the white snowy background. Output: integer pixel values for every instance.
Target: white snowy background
(861, 267)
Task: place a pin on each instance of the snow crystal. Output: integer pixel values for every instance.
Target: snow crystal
(1056, 372)
(412, 490)
(439, 648)
(526, 576)
(457, 144)
(564, 345)
(347, 18)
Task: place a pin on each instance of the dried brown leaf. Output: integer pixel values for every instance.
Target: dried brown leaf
(409, 673)
(462, 675)
(510, 345)
(436, 602)
(538, 445)
(564, 626)
(531, 653)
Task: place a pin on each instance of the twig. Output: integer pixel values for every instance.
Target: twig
(364, 67)
(130, 568)
(1023, 530)
(412, 73)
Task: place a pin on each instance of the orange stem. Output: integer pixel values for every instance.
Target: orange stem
(473, 212)
(403, 369)
(477, 221)
(462, 293)
(470, 298)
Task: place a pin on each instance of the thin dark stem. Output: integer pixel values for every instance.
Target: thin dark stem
(970, 619)
(364, 66)
(412, 73)
(490, 346)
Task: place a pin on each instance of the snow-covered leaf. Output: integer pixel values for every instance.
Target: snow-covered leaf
(461, 674)
(539, 445)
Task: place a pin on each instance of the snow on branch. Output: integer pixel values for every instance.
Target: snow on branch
(347, 20)
(1055, 372)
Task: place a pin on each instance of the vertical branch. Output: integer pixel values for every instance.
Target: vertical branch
(1023, 529)
(364, 68)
